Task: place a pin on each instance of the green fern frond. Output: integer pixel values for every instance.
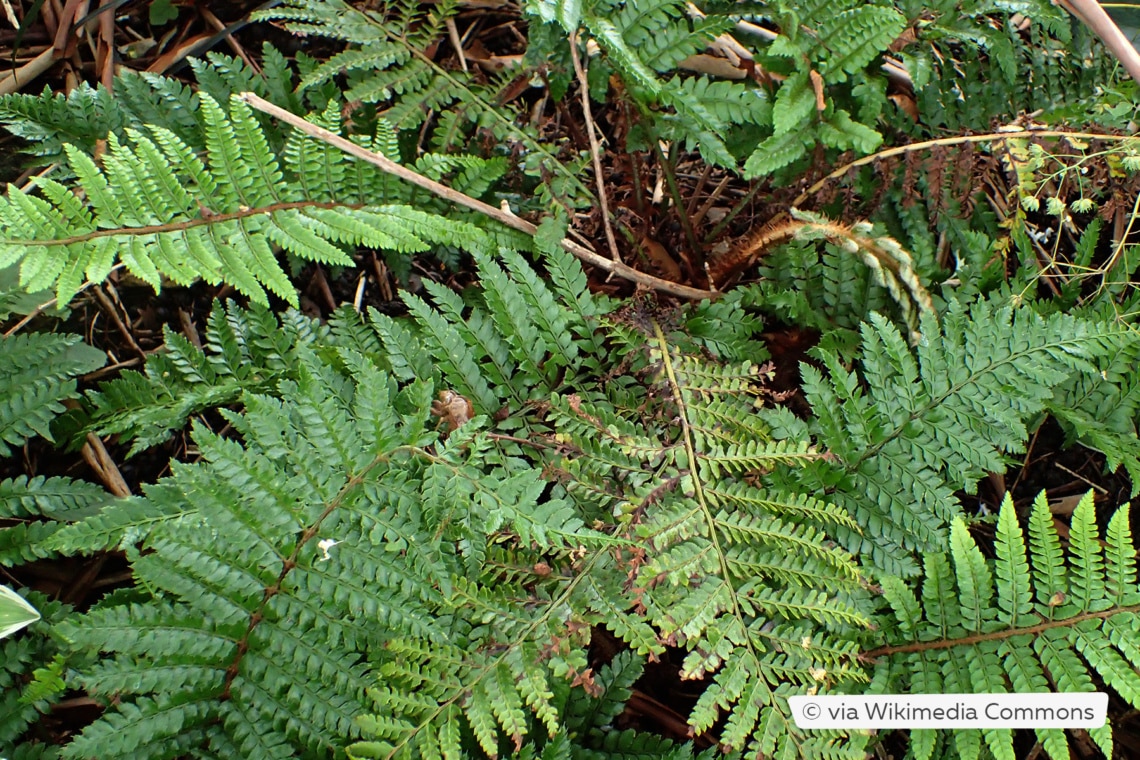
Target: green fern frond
(1100, 412)
(739, 577)
(933, 421)
(87, 114)
(246, 351)
(343, 526)
(165, 213)
(854, 37)
(251, 590)
(24, 500)
(37, 372)
(391, 68)
(1026, 625)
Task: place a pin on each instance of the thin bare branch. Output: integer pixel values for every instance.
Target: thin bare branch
(595, 145)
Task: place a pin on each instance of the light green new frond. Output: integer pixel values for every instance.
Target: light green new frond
(975, 584)
(1050, 577)
(903, 602)
(1120, 559)
(1014, 585)
(166, 212)
(1087, 578)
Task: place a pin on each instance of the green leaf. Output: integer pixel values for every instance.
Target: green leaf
(15, 613)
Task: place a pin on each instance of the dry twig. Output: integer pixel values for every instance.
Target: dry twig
(595, 145)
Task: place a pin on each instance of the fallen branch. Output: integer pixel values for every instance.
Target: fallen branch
(454, 196)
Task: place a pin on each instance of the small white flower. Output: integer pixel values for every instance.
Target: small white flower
(324, 545)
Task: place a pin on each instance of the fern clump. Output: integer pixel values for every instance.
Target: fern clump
(342, 534)
(373, 561)
(410, 536)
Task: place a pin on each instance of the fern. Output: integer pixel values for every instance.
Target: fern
(591, 722)
(362, 570)
(30, 680)
(37, 372)
(467, 513)
(13, 298)
(843, 40)
(262, 652)
(1049, 623)
(958, 88)
(23, 500)
(1100, 411)
(736, 575)
(387, 65)
(265, 567)
(165, 213)
(930, 424)
(88, 114)
(246, 351)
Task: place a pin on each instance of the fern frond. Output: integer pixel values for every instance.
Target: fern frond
(937, 420)
(61, 500)
(37, 372)
(246, 351)
(31, 664)
(87, 114)
(1073, 631)
(391, 68)
(237, 554)
(724, 584)
(166, 213)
